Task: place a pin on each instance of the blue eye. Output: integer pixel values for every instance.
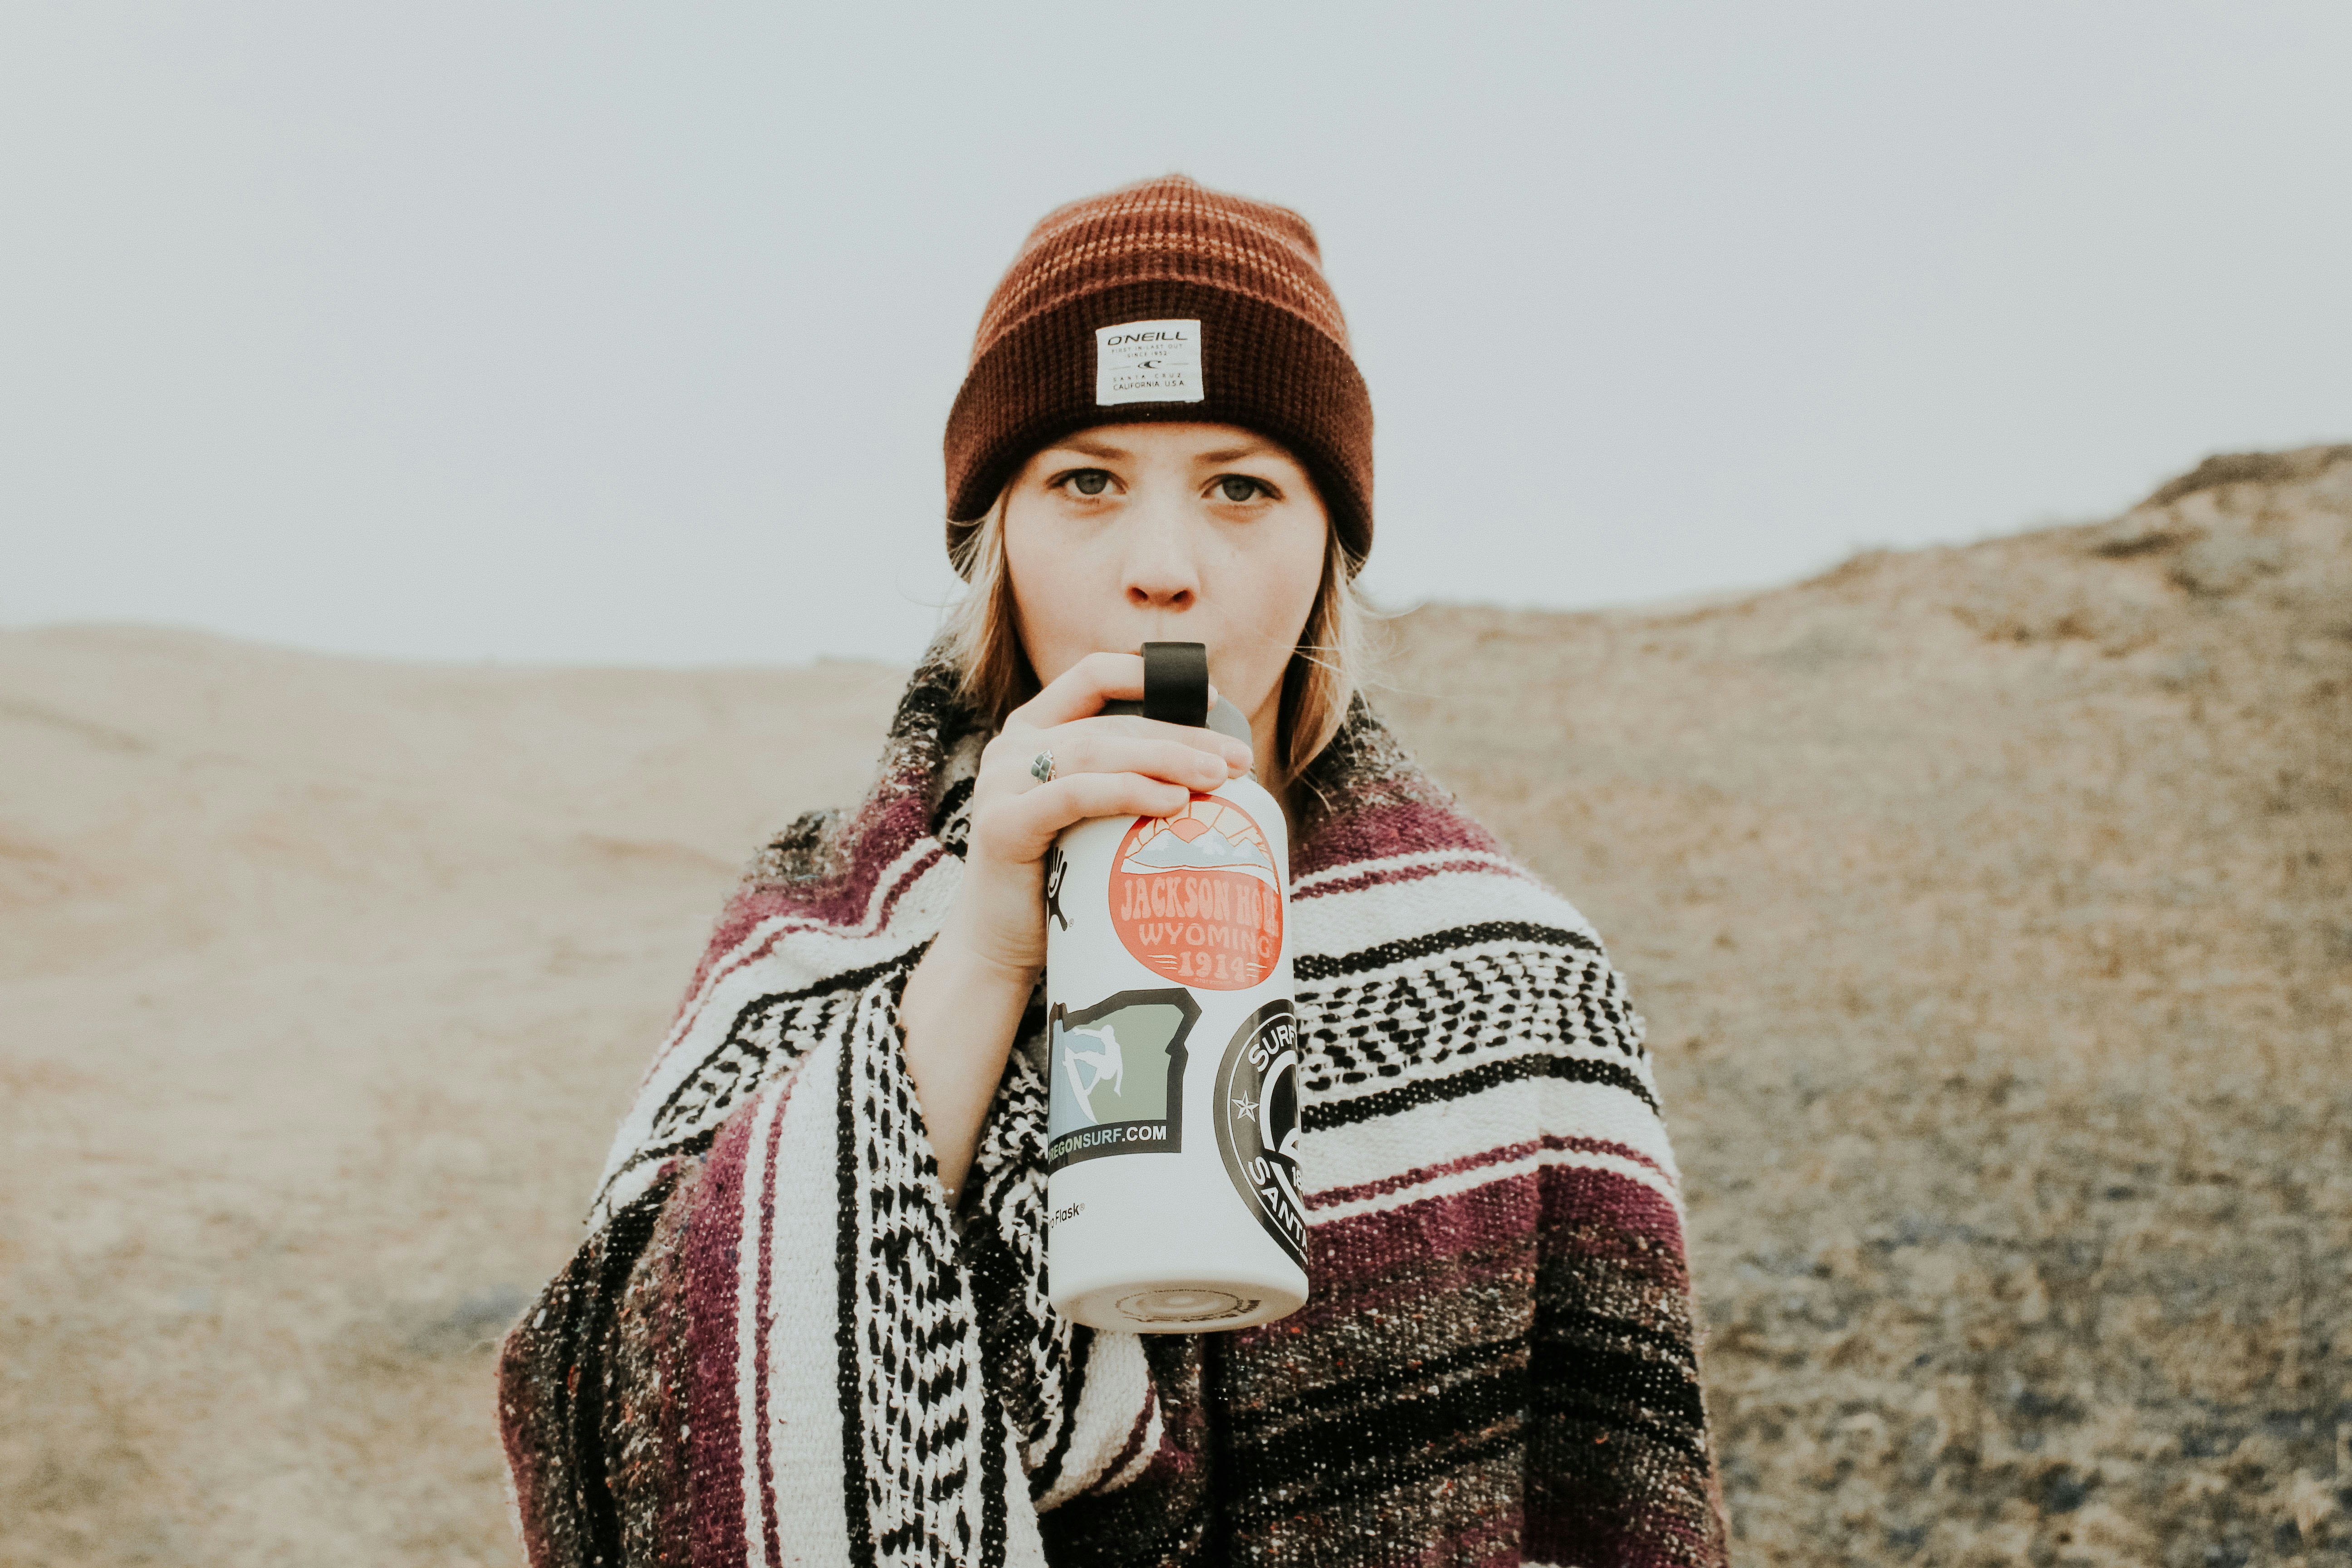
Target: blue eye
(1089, 481)
(1238, 488)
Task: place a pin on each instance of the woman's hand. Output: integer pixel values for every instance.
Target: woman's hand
(964, 1001)
(1102, 767)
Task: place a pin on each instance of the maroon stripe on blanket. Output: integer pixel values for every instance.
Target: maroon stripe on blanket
(1405, 828)
(526, 1425)
(1423, 1174)
(1366, 1261)
(882, 835)
(1620, 1475)
(1395, 875)
(732, 930)
(1607, 1215)
(1492, 1543)
(841, 906)
(1134, 1443)
(898, 888)
(714, 1434)
(764, 1319)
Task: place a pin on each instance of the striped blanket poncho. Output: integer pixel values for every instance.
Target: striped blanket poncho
(777, 1345)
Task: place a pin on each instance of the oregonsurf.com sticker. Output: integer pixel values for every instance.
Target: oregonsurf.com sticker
(1197, 896)
(1257, 1122)
(1117, 1077)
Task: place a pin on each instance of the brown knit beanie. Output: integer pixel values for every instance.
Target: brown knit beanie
(1164, 301)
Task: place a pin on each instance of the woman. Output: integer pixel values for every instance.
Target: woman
(809, 1323)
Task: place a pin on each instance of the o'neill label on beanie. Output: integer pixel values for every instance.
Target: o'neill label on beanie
(1147, 361)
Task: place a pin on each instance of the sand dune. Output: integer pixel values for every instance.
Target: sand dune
(1988, 906)
(324, 982)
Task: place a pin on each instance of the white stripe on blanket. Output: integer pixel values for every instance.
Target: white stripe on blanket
(1117, 1389)
(1340, 923)
(802, 1415)
(1429, 1136)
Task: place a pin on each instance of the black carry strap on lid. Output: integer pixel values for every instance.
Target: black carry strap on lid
(1176, 682)
(1175, 685)
(1176, 691)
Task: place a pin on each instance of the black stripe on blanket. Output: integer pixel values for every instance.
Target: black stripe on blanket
(849, 1265)
(736, 1068)
(559, 1357)
(953, 835)
(1345, 1400)
(1289, 1487)
(1325, 1114)
(1074, 1389)
(1319, 966)
(992, 1478)
(746, 1024)
(1663, 1404)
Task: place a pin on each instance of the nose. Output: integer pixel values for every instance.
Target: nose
(1161, 570)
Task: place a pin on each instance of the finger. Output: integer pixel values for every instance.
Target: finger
(1210, 742)
(1176, 761)
(1079, 691)
(1031, 820)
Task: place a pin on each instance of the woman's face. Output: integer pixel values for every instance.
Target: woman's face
(1126, 534)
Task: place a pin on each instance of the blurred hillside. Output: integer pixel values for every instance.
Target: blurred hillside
(1989, 909)
(1988, 906)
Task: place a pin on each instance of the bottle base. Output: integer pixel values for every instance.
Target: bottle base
(1180, 1307)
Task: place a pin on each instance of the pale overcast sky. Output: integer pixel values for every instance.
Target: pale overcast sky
(585, 332)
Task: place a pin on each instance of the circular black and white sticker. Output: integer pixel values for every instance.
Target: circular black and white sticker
(1257, 1122)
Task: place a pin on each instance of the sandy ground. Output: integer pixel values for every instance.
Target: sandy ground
(324, 983)
(1989, 908)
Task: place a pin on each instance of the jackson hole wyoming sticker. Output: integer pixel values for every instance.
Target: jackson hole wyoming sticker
(1257, 1122)
(1196, 897)
(1118, 1083)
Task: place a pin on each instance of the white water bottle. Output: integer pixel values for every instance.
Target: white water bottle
(1172, 1137)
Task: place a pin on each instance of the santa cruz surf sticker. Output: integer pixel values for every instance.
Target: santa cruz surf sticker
(1197, 896)
(1257, 1122)
(1117, 1077)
